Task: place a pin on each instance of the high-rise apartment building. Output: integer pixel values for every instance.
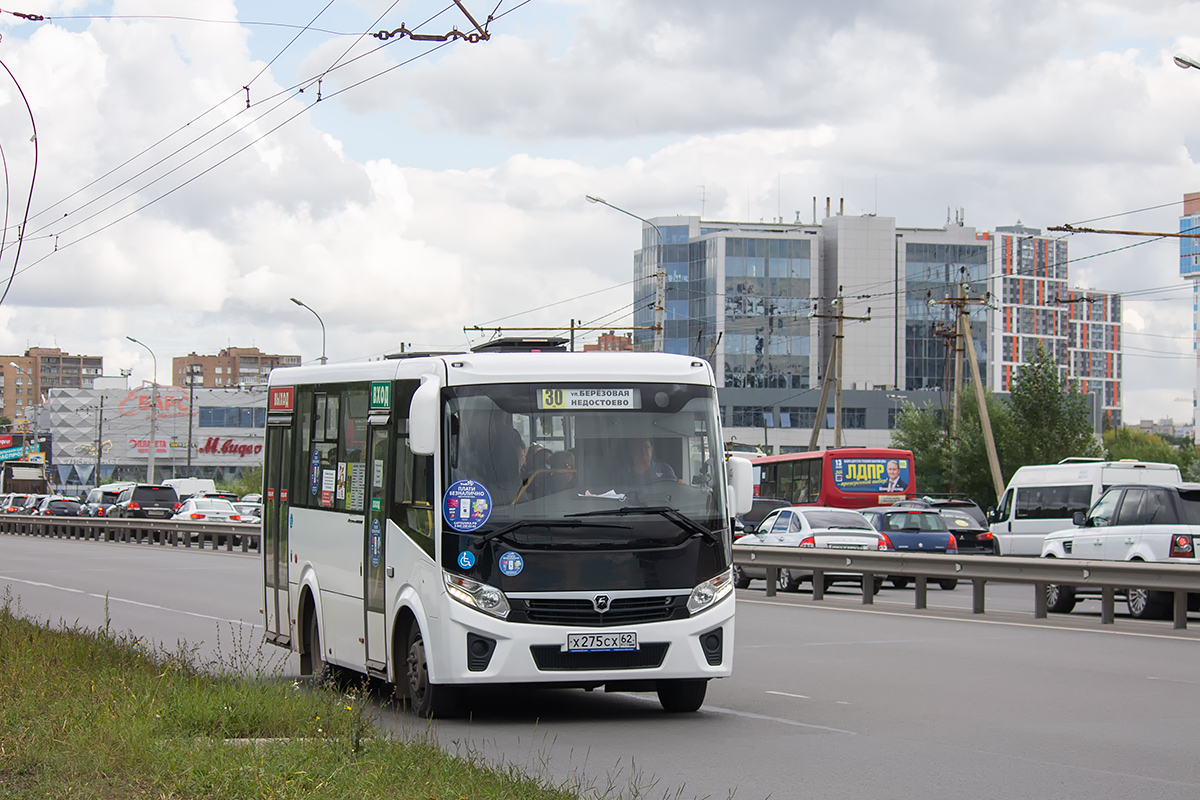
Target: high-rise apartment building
(233, 366)
(1189, 267)
(1035, 307)
(24, 379)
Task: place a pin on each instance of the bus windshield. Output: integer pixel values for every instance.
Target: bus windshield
(605, 464)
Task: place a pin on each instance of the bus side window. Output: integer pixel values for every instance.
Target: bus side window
(816, 471)
(412, 499)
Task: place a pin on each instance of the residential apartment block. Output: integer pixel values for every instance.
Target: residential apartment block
(1189, 267)
(233, 366)
(24, 379)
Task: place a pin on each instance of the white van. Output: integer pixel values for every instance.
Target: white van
(186, 487)
(1043, 499)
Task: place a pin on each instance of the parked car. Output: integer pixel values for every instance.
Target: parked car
(1145, 522)
(99, 501)
(811, 526)
(210, 509)
(251, 512)
(965, 519)
(922, 529)
(144, 501)
(761, 506)
(58, 506)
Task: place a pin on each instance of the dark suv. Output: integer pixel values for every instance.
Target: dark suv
(145, 501)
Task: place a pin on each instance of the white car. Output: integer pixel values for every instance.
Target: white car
(1151, 522)
(812, 526)
(251, 512)
(207, 509)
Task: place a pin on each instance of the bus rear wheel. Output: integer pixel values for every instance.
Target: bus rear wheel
(682, 694)
(426, 699)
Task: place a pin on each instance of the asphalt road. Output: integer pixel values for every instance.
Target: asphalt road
(829, 699)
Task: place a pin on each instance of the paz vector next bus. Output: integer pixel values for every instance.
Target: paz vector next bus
(503, 517)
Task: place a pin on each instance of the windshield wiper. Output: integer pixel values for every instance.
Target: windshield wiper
(480, 541)
(683, 521)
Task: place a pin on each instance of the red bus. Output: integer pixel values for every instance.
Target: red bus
(847, 477)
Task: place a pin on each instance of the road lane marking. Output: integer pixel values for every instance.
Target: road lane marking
(972, 621)
(111, 599)
(789, 694)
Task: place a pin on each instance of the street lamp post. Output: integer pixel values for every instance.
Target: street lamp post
(25, 435)
(660, 277)
(318, 316)
(1186, 62)
(153, 410)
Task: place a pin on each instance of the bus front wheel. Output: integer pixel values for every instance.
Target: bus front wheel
(426, 699)
(682, 694)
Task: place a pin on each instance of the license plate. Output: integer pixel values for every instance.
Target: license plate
(599, 642)
(847, 547)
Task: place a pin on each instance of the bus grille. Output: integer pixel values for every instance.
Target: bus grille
(551, 658)
(577, 611)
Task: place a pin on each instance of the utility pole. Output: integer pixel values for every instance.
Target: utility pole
(834, 367)
(961, 306)
(99, 437)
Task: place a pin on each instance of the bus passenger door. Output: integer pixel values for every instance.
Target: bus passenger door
(274, 544)
(376, 569)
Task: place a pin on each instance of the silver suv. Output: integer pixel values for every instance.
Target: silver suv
(1152, 522)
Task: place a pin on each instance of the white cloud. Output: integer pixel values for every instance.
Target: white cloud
(1047, 112)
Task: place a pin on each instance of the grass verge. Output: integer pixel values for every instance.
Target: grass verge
(97, 716)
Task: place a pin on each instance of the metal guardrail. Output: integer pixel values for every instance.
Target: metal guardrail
(1107, 576)
(217, 536)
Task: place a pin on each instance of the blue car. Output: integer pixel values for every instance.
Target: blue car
(918, 529)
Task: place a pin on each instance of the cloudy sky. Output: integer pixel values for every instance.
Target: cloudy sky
(406, 189)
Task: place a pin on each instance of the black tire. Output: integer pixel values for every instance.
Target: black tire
(316, 656)
(1059, 598)
(682, 695)
(1193, 602)
(876, 585)
(1146, 604)
(424, 698)
(788, 581)
(827, 583)
(900, 581)
(740, 580)
(948, 584)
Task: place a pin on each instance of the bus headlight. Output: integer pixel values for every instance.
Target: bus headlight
(487, 599)
(710, 592)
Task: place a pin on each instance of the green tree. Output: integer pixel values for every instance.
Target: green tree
(250, 481)
(920, 430)
(967, 464)
(1051, 424)
(1142, 446)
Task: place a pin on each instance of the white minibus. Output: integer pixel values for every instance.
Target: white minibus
(499, 517)
(1043, 498)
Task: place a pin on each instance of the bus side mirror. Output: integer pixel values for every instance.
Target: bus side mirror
(741, 485)
(423, 417)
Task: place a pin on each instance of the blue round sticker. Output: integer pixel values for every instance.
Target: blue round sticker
(376, 543)
(466, 506)
(511, 563)
(466, 559)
